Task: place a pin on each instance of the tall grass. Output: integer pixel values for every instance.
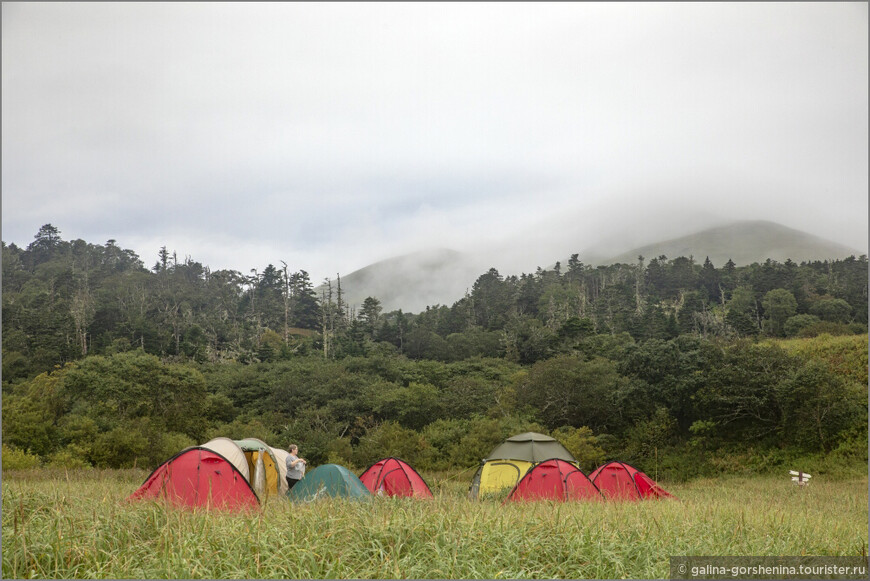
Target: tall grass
(79, 525)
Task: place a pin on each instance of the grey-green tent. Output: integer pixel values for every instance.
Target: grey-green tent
(510, 460)
(532, 447)
(329, 480)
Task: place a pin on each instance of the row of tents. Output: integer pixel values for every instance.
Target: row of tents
(536, 466)
(246, 473)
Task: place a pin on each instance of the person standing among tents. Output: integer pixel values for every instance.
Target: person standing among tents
(295, 466)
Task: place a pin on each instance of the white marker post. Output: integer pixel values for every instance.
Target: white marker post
(800, 478)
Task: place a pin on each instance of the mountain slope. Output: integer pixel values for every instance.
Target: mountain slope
(413, 281)
(743, 242)
(441, 276)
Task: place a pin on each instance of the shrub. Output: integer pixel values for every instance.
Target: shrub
(830, 328)
(677, 465)
(122, 447)
(582, 444)
(441, 437)
(170, 444)
(72, 456)
(796, 324)
(14, 459)
(833, 310)
(78, 430)
(339, 452)
(852, 445)
(704, 435)
(650, 438)
(241, 428)
(219, 408)
(484, 434)
(389, 439)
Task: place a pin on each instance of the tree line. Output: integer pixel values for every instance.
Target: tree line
(107, 363)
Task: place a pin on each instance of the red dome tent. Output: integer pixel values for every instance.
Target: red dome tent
(394, 477)
(199, 477)
(619, 480)
(555, 479)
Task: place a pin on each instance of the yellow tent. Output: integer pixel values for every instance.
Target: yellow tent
(263, 467)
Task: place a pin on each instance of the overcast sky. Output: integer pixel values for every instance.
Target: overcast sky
(331, 136)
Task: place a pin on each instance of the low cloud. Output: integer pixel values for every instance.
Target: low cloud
(332, 136)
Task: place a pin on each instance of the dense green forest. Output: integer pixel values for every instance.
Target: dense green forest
(694, 368)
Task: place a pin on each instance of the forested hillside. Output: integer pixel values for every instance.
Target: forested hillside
(666, 360)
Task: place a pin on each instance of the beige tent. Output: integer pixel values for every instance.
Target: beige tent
(281, 456)
(231, 451)
(256, 461)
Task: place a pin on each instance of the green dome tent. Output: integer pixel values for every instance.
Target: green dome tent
(329, 480)
(511, 459)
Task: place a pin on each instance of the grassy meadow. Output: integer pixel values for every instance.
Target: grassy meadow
(79, 525)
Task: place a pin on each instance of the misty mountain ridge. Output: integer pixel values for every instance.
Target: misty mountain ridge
(743, 242)
(412, 282)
